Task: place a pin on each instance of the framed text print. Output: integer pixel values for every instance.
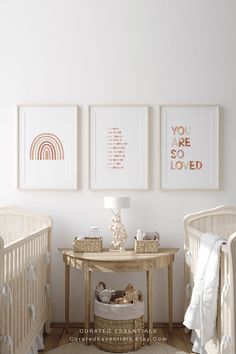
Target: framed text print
(47, 147)
(118, 147)
(189, 147)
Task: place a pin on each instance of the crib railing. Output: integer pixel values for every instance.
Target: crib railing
(25, 279)
(191, 254)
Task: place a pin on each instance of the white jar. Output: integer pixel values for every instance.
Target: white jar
(94, 231)
(139, 235)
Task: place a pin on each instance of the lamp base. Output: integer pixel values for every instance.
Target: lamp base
(112, 249)
(119, 232)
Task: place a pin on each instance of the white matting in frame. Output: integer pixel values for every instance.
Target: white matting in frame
(47, 147)
(189, 147)
(118, 147)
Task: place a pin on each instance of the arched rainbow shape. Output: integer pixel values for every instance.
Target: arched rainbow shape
(46, 146)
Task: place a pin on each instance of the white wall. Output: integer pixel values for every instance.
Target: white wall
(126, 52)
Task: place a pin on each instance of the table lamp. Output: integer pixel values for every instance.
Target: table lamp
(118, 230)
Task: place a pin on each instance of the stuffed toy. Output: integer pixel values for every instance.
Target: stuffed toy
(99, 287)
(151, 236)
(102, 293)
(117, 294)
(131, 296)
(105, 296)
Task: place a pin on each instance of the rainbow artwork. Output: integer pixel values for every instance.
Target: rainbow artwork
(46, 146)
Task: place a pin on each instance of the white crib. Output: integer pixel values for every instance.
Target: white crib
(25, 306)
(220, 221)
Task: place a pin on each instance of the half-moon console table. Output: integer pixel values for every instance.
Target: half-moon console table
(127, 261)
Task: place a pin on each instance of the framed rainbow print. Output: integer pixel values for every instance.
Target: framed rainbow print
(189, 147)
(118, 147)
(47, 147)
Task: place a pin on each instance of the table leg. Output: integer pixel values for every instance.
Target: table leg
(149, 305)
(87, 286)
(170, 294)
(67, 296)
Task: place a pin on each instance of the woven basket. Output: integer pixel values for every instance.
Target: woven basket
(118, 336)
(146, 246)
(88, 245)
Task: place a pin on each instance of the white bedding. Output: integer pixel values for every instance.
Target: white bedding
(201, 313)
(38, 344)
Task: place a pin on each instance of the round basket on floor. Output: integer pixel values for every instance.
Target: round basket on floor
(118, 328)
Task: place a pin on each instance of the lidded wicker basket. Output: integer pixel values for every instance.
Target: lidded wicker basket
(119, 328)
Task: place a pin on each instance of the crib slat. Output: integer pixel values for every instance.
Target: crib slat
(8, 305)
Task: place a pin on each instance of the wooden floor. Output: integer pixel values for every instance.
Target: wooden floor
(177, 338)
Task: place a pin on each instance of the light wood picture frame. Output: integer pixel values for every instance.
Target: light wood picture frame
(47, 147)
(118, 147)
(189, 153)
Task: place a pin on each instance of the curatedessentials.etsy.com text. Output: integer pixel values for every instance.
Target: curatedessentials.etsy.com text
(117, 335)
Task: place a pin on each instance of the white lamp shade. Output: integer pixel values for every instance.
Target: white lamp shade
(116, 202)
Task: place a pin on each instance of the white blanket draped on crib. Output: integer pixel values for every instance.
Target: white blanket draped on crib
(37, 345)
(201, 313)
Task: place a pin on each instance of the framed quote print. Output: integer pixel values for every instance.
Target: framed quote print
(118, 147)
(189, 147)
(47, 147)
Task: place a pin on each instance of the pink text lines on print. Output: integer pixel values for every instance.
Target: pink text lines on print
(46, 146)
